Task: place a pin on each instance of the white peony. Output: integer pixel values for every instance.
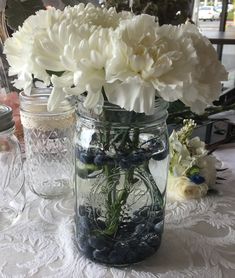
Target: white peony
(180, 188)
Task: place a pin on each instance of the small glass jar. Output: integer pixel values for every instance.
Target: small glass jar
(12, 193)
(49, 144)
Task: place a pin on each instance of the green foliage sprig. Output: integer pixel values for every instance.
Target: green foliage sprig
(168, 12)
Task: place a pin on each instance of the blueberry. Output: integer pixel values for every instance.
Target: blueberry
(158, 228)
(152, 239)
(101, 224)
(133, 242)
(101, 255)
(86, 157)
(85, 210)
(125, 163)
(160, 155)
(144, 250)
(157, 219)
(85, 247)
(126, 228)
(82, 210)
(197, 179)
(102, 159)
(99, 160)
(121, 249)
(83, 224)
(116, 258)
(98, 242)
(144, 212)
(140, 229)
(122, 159)
(138, 157)
(155, 145)
(137, 219)
(131, 256)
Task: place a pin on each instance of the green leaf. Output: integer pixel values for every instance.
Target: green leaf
(57, 73)
(71, 2)
(17, 11)
(193, 171)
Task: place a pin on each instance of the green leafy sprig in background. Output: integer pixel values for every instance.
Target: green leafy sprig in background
(168, 11)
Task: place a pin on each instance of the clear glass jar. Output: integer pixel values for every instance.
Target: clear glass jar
(12, 193)
(121, 174)
(49, 144)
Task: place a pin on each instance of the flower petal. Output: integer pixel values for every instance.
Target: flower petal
(132, 94)
(57, 95)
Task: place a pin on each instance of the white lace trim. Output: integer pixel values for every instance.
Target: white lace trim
(47, 123)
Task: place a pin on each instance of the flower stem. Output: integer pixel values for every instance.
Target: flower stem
(116, 200)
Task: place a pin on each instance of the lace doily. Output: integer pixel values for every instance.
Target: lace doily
(199, 240)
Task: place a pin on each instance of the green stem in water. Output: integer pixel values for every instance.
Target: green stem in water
(115, 207)
(115, 201)
(114, 214)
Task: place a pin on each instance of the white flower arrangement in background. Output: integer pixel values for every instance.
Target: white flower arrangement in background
(192, 171)
(131, 58)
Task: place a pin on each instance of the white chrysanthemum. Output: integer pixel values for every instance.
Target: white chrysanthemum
(47, 41)
(18, 48)
(95, 16)
(205, 83)
(69, 50)
(80, 52)
(144, 60)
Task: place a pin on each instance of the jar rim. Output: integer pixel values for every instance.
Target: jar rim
(131, 117)
(6, 117)
(159, 102)
(37, 102)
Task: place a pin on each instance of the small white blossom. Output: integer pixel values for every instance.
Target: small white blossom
(189, 159)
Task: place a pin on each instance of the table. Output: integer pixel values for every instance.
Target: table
(199, 239)
(220, 37)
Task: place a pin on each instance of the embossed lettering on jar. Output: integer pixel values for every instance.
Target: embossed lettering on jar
(121, 173)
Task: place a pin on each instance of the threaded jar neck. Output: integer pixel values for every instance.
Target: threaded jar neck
(118, 116)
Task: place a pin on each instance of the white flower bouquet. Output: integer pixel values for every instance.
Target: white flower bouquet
(131, 59)
(192, 171)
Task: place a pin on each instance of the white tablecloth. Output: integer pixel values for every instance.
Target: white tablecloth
(199, 239)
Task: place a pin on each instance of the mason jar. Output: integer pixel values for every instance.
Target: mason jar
(120, 176)
(49, 145)
(12, 193)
